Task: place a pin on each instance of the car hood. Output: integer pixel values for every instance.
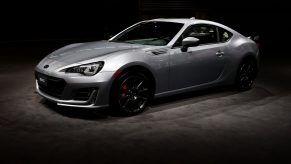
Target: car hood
(75, 53)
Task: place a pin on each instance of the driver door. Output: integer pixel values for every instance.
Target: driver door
(200, 64)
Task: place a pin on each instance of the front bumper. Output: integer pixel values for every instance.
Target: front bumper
(98, 97)
(90, 103)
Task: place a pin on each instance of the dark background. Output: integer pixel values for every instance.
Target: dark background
(77, 21)
(218, 125)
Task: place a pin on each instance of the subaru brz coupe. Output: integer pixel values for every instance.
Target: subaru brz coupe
(150, 59)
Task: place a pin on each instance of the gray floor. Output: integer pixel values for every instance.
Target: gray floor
(216, 125)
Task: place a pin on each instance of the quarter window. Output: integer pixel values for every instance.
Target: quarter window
(224, 35)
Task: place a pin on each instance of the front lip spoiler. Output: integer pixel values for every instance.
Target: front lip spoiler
(90, 103)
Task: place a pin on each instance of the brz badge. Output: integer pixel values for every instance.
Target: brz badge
(42, 80)
(46, 66)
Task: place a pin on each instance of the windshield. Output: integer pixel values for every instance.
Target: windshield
(150, 33)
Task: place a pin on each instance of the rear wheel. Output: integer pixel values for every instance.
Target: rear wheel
(246, 75)
(131, 92)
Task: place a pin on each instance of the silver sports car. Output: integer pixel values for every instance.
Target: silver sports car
(150, 59)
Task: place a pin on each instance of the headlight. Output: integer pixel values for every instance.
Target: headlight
(86, 69)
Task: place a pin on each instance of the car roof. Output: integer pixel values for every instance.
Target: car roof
(193, 21)
(179, 20)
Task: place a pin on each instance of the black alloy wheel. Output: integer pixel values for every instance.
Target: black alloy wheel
(132, 92)
(246, 75)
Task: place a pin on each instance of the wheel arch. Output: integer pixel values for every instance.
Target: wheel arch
(136, 67)
(133, 67)
(249, 56)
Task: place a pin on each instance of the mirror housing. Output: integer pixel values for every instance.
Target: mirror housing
(189, 42)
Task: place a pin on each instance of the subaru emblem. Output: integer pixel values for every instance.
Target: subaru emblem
(46, 66)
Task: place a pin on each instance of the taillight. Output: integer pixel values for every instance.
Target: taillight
(258, 45)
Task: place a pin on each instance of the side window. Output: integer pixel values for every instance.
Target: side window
(224, 35)
(207, 34)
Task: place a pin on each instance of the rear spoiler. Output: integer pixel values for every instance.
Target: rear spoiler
(256, 39)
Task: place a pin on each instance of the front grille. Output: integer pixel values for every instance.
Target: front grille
(83, 94)
(50, 85)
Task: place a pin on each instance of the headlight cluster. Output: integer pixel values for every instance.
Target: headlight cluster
(86, 69)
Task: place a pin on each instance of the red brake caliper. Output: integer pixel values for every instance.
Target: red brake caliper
(124, 87)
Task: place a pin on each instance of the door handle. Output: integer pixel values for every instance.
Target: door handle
(219, 53)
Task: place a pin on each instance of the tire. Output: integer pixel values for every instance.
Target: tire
(131, 93)
(246, 74)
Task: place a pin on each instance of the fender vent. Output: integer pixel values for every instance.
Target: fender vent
(159, 51)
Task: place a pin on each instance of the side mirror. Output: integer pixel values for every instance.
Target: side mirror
(189, 42)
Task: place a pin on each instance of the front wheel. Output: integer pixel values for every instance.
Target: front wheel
(246, 75)
(131, 92)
